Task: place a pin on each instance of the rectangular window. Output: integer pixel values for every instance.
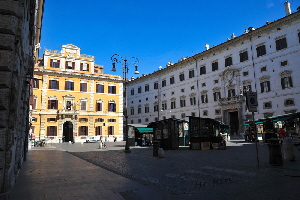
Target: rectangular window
(228, 61)
(51, 131)
(204, 98)
(217, 96)
(289, 102)
(243, 56)
(83, 105)
(69, 105)
(261, 50)
(99, 88)
(286, 82)
(202, 70)
(139, 89)
(283, 63)
(173, 104)
(265, 86)
(70, 65)
(267, 105)
(155, 108)
(132, 111)
(181, 77)
(83, 87)
(35, 83)
(83, 130)
(54, 63)
(146, 88)
(100, 120)
(156, 85)
(231, 92)
(263, 69)
(112, 89)
(246, 88)
(53, 84)
(99, 106)
(164, 106)
(51, 119)
(191, 73)
(69, 85)
(215, 66)
(281, 44)
(172, 80)
(182, 102)
(139, 110)
(193, 100)
(111, 130)
(163, 83)
(112, 120)
(52, 104)
(83, 119)
(84, 67)
(112, 107)
(147, 109)
(98, 130)
(132, 91)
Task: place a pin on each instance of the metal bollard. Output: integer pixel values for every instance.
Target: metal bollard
(156, 145)
(288, 149)
(275, 156)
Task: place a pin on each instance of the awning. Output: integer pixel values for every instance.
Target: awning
(145, 130)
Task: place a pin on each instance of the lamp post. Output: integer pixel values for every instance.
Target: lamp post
(125, 63)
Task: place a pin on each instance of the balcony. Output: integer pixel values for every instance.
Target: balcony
(52, 52)
(232, 100)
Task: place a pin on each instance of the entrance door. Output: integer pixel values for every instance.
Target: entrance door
(234, 123)
(68, 132)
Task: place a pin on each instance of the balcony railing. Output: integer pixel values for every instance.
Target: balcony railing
(231, 100)
(86, 56)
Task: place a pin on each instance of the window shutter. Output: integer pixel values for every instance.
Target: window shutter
(66, 85)
(48, 130)
(57, 84)
(261, 87)
(269, 86)
(291, 81)
(233, 92)
(88, 67)
(282, 83)
(73, 65)
(49, 104)
(50, 85)
(58, 63)
(206, 99)
(81, 66)
(66, 65)
(229, 93)
(215, 96)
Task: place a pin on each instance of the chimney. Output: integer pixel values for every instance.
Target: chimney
(287, 7)
(206, 46)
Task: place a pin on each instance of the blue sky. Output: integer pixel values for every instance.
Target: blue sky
(156, 31)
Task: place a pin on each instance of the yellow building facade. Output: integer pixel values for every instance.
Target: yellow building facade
(73, 99)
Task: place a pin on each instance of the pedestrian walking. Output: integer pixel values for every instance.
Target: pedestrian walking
(115, 139)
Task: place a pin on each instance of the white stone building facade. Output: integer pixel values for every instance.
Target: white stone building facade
(212, 84)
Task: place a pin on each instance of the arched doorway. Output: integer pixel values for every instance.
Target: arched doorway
(68, 132)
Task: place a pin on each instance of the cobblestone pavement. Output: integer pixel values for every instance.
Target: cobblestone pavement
(198, 174)
(212, 174)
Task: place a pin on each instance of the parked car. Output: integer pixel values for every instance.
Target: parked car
(93, 139)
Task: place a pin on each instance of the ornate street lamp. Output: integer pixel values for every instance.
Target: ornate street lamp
(125, 63)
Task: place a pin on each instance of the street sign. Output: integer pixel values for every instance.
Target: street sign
(252, 101)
